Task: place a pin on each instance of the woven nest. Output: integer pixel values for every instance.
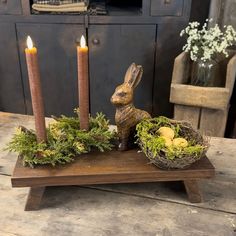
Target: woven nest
(180, 160)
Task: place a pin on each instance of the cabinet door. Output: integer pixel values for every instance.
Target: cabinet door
(58, 64)
(11, 89)
(169, 45)
(10, 7)
(112, 49)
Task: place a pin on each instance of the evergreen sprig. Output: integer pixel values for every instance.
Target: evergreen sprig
(65, 140)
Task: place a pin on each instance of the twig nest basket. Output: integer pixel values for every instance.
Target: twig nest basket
(170, 152)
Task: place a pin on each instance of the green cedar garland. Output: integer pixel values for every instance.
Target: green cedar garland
(65, 140)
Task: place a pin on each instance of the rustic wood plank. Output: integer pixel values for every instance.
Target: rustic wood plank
(181, 69)
(69, 210)
(34, 198)
(231, 74)
(192, 190)
(222, 12)
(209, 97)
(108, 167)
(187, 113)
(213, 122)
(214, 12)
(25, 7)
(217, 194)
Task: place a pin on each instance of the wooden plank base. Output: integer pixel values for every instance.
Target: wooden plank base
(34, 198)
(193, 191)
(107, 168)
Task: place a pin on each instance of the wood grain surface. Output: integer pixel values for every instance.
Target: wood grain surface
(108, 167)
(34, 198)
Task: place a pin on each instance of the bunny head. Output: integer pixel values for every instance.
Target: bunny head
(123, 94)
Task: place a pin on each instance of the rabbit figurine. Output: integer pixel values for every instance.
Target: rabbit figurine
(127, 116)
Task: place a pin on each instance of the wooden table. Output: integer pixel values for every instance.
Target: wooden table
(105, 168)
(155, 208)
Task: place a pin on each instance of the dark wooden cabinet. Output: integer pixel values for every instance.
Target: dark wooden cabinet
(56, 45)
(10, 7)
(112, 49)
(167, 7)
(167, 47)
(11, 90)
(145, 32)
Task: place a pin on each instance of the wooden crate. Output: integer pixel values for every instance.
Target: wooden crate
(205, 107)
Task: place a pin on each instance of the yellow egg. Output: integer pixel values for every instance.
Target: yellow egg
(180, 142)
(168, 141)
(166, 132)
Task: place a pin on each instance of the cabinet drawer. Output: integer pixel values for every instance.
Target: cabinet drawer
(167, 7)
(10, 7)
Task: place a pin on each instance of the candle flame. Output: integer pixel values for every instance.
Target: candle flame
(82, 42)
(29, 42)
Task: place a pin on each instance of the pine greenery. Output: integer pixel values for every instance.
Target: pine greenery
(65, 141)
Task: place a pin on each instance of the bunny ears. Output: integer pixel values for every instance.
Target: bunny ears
(133, 75)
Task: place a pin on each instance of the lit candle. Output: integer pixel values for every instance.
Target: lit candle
(83, 83)
(35, 90)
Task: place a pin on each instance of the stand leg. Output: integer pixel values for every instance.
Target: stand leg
(34, 198)
(192, 190)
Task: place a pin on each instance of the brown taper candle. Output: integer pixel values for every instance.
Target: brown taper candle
(83, 84)
(35, 90)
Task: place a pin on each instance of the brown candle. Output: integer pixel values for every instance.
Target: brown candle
(35, 90)
(83, 84)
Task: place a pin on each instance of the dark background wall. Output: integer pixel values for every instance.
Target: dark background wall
(150, 38)
(199, 10)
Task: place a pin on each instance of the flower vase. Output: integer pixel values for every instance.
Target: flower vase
(205, 73)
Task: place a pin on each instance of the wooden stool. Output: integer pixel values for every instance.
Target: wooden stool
(106, 168)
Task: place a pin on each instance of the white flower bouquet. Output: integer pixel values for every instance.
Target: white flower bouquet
(206, 43)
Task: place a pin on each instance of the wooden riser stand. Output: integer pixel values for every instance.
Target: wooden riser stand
(106, 168)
